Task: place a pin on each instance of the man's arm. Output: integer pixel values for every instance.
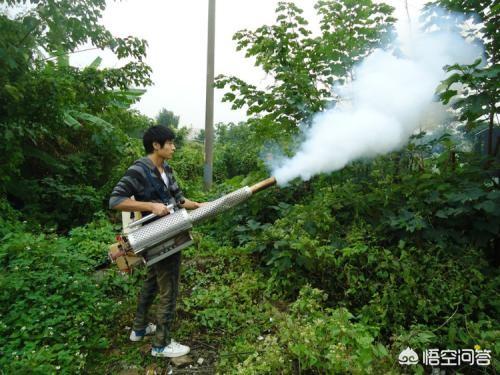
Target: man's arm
(191, 205)
(159, 209)
(130, 184)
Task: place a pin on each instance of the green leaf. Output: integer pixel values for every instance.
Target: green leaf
(381, 350)
(93, 120)
(447, 95)
(487, 206)
(443, 214)
(13, 91)
(96, 63)
(62, 59)
(70, 120)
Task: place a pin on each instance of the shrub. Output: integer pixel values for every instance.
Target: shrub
(54, 310)
(315, 339)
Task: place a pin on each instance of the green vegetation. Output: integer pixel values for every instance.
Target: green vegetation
(52, 304)
(64, 130)
(335, 275)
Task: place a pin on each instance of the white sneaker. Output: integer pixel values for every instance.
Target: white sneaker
(174, 349)
(139, 335)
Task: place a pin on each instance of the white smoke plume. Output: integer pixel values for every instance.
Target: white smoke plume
(386, 103)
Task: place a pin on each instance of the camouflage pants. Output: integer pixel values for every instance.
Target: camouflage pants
(162, 279)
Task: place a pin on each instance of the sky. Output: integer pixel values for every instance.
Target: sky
(176, 32)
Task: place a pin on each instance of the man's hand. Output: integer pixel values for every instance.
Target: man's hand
(191, 205)
(159, 209)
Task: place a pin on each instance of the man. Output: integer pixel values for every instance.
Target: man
(150, 180)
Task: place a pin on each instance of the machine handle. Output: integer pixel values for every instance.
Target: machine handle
(148, 217)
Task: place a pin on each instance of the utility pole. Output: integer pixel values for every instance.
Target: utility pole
(209, 104)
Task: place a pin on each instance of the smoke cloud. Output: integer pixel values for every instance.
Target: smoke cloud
(380, 109)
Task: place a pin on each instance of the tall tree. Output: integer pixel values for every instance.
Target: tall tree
(167, 118)
(477, 101)
(61, 125)
(200, 137)
(303, 67)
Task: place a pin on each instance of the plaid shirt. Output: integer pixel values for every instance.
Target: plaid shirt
(136, 183)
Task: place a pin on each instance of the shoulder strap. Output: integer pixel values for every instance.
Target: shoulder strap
(159, 189)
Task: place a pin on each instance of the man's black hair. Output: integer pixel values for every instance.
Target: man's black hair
(158, 133)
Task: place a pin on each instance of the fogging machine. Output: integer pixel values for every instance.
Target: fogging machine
(157, 240)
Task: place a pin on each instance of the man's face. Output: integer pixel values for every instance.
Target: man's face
(167, 151)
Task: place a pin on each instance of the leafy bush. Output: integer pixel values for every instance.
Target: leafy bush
(58, 203)
(64, 128)
(318, 340)
(410, 252)
(236, 151)
(188, 167)
(54, 309)
(221, 281)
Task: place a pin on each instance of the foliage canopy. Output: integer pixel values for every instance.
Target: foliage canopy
(303, 68)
